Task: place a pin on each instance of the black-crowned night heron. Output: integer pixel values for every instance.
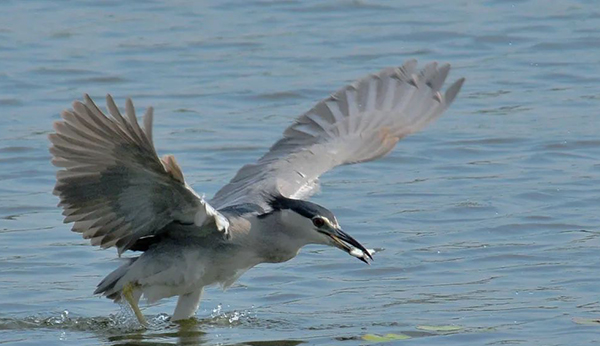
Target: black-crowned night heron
(118, 192)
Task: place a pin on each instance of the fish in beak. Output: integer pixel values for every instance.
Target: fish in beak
(345, 242)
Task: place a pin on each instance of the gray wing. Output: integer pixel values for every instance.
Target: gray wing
(361, 122)
(113, 185)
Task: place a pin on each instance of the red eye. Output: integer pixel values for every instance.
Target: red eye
(318, 222)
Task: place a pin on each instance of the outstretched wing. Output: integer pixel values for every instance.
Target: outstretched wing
(113, 185)
(361, 122)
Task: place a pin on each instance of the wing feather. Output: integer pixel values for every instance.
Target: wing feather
(113, 186)
(360, 122)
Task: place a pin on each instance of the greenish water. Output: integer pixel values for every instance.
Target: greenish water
(488, 220)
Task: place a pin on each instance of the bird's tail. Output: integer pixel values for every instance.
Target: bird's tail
(111, 286)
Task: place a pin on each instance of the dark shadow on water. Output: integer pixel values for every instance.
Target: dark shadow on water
(186, 334)
(271, 343)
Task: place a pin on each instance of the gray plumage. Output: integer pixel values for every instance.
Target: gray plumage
(113, 186)
(360, 122)
(117, 191)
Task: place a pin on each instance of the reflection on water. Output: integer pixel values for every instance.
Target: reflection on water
(489, 218)
(184, 334)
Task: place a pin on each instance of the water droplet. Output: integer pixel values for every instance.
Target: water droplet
(216, 311)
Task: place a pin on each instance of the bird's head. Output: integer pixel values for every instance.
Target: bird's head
(318, 225)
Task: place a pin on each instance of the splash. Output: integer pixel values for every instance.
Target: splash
(219, 317)
(122, 322)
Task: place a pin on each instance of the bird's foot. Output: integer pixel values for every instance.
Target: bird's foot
(127, 293)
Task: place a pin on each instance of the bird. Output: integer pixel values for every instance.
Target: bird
(118, 192)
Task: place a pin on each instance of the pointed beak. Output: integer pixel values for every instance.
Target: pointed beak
(345, 242)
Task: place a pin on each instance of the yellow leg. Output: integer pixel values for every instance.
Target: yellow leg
(128, 295)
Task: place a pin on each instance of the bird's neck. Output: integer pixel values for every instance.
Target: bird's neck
(270, 239)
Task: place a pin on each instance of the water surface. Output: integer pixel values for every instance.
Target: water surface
(488, 219)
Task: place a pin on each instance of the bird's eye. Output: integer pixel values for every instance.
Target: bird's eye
(318, 222)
